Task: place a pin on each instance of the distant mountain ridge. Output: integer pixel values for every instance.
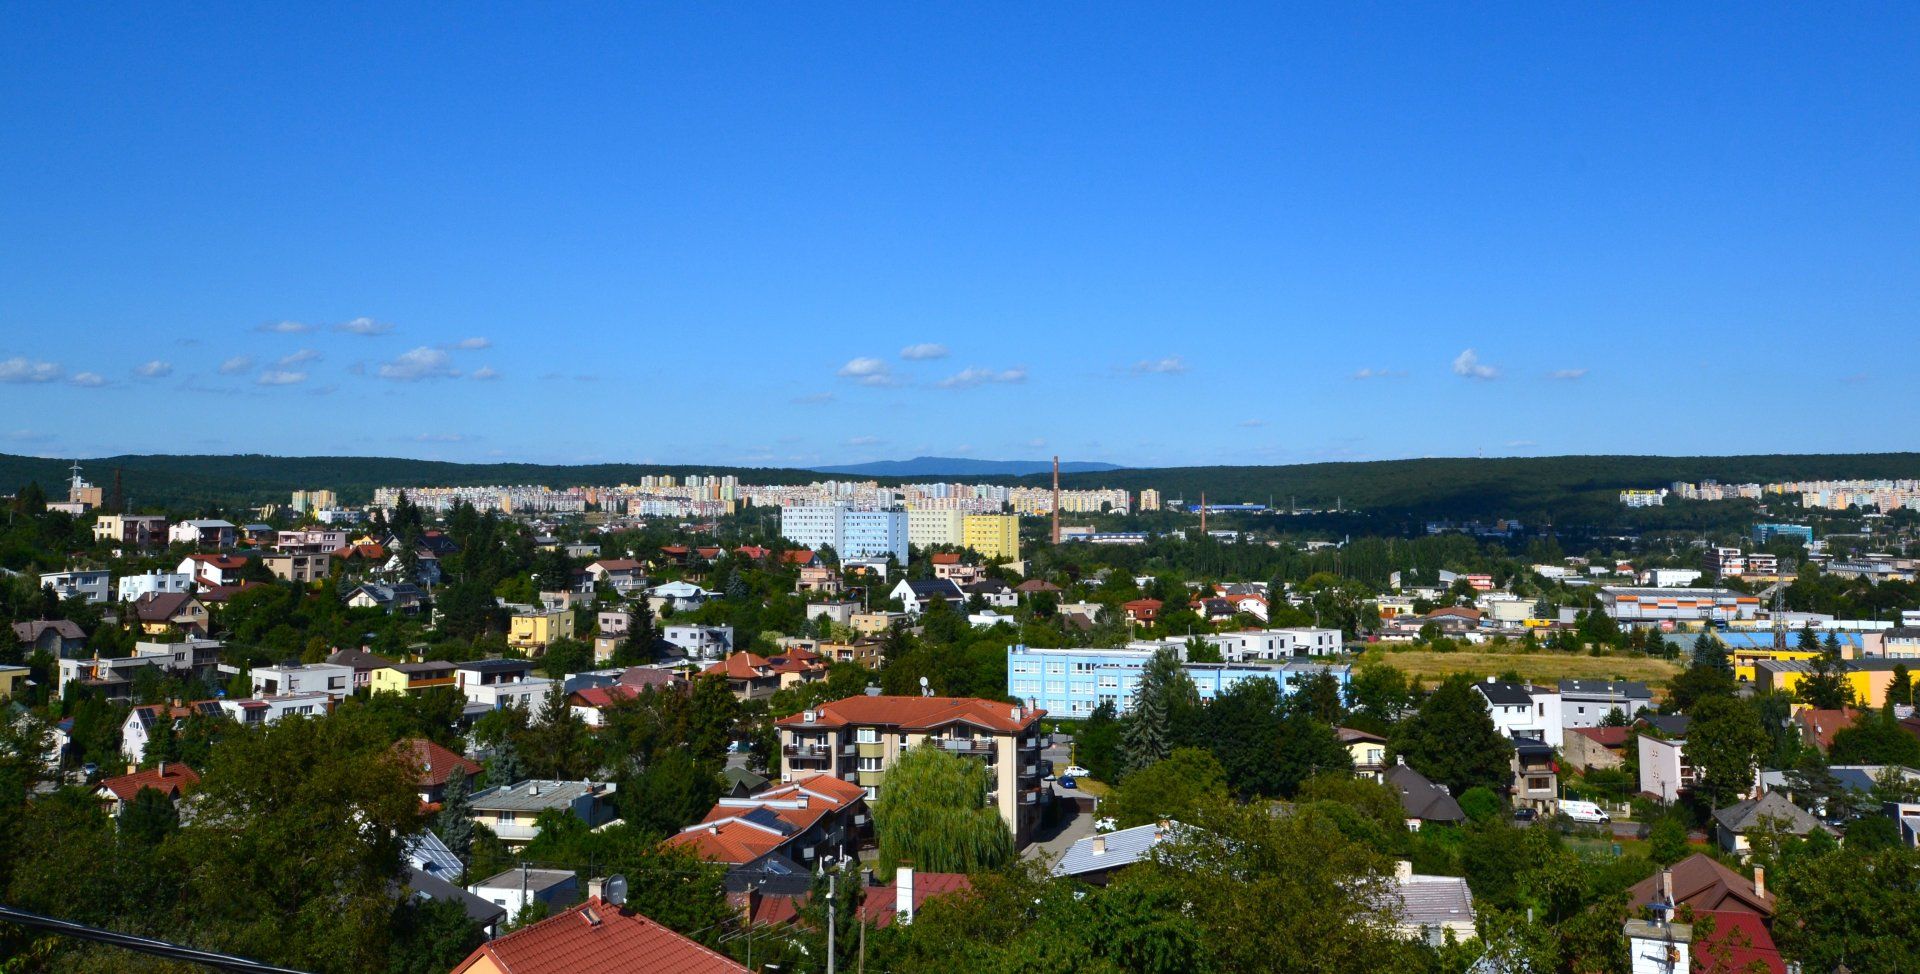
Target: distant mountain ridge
(961, 467)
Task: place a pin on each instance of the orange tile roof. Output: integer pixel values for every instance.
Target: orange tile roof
(921, 713)
(724, 836)
(738, 666)
(171, 779)
(606, 696)
(946, 558)
(432, 763)
(802, 557)
(878, 907)
(571, 942)
(1821, 725)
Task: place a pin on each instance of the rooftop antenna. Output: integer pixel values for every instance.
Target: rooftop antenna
(925, 691)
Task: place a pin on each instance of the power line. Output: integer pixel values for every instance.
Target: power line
(144, 945)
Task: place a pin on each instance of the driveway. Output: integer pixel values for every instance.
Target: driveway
(1050, 842)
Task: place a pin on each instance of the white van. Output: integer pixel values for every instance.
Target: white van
(1588, 812)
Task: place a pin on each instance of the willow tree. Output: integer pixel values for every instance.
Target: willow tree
(936, 813)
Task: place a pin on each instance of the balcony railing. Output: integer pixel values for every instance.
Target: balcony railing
(807, 751)
(968, 745)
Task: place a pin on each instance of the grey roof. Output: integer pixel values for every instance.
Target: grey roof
(434, 888)
(1858, 778)
(1604, 689)
(1434, 900)
(538, 880)
(1422, 799)
(496, 665)
(1506, 694)
(1123, 848)
(740, 778)
(934, 588)
(28, 632)
(425, 852)
(1675, 724)
(533, 796)
(1741, 816)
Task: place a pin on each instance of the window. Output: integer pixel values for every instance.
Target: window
(869, 764)
(872, 792)
(866, 735)
(506, 818)
(1539, 784)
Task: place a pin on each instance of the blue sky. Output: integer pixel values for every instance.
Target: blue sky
(805, 234)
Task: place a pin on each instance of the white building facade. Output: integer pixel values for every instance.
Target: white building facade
(851, 533)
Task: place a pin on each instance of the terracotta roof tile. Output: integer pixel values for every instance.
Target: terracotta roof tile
(922, 713)
(433, 763)
(571, 942)
(172, 780)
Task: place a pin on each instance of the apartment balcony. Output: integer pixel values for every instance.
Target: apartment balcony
(818, 752)
(968, 745)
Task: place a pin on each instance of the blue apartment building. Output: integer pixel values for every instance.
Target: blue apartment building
(1070, 683)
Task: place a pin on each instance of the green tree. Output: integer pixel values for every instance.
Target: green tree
(1724, 742)
(1900, 691)
(1318, 697)
(1825, 687)
(149, 818)
(1452, 739)
(1875, 738)
(454, 824)
(934, 812)
(1097, 742)
(1667, 840)
(672, 792)
(1162, 699)
(1851, 908)
(1175, 788)
(1481, 803)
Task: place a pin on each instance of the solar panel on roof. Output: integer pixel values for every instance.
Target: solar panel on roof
(766, 817)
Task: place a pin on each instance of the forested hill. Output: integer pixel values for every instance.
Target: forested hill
(1526, 487)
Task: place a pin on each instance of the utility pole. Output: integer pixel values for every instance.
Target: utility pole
(832, 909)
(1056, 498)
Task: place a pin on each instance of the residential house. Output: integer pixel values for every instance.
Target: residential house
(211, 570)
(94, 585)
(993, 592)
(1702, 883)
(806, 820)
(591, 704)
(131, 530)
(1036, 586)
(399, 598)
(113, 677)
(1536, 775)
(916, 595)
(488, 672)
(310, 541)
(516, 889)
(682, 596)
(159, 615)
(156, 582)
(949, 566)
(1143, 612)
(411, 678)
(331, 679)
(613, 622)
(204, 534)
(1665, 771)
(1422, 800)
(704, 642)
(1429, 909)
(1590, 748)
(1368, 750)
(753, 677)
(863, 736)
(301, 568)
(1586, 703)
(13, 681)
(363, 663)
(423, 886)
(268, 710)
(877, 623)
(1094, 859)
(510, 810)
(623, 575)
(529, 693)
(537, 629)
(820, 580)
(434, 766)
(59, 638)
(594, 936)
(1817, 727)
(1521, 710)
(170, 778)
(1734, 825)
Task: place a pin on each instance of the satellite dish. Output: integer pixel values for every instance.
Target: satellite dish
(923, 688)
(616, 889)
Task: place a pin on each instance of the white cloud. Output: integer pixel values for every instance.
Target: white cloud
(364, 326)
(1364, 374)
(421, 363)
(923, 351)
(280, 377)
(302, 356)
(21, 370)
(863, 441)
(90, 380)
(968, 378)
(285, 327)
(1467, 365)
(813, 399)
(440, 438)
(1171, 365)
(471, 344)
(237, 365)
(485, 373)
(867, 372)
(1567, 375)
(155, 369)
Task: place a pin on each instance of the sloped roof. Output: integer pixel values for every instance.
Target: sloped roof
(1122, 848)
(878, 907)
(607, 696)
(160, 606)
(1823, 724)
(1422, 799)
(1506, 694)
(1434, 900)
(433, 765)
(1743, 815)
(28, 632)
(920, 713)
(1704, 884)
(1603, 736)
(1739, 941)
(172, 779)
(1033, 585)
(743, 830)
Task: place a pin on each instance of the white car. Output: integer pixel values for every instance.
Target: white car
(1075, 771)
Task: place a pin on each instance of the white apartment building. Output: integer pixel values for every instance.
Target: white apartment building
(1520, 710)
(287, 678)
(851, 533)
(1259, 645)
(155, 582)
(93, 585)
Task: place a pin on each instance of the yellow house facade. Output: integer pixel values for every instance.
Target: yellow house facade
(1869, 678)
(992, 535)
(13, 681)
(538, 630)
(411, 677)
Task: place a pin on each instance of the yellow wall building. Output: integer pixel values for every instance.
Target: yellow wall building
(1869, 678)
(13, 681)
(538, 630)
(992, 535)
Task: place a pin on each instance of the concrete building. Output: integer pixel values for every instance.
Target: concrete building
(1260, 645)
(204, 534)
(300, 568)
(864, 736)
(155, 582)
(926, 528)
(1664, 770)
(1654, 606)
(1585, 703)
(1071, 683)
(1521, 710)
(539, 629)
(510, 810)
(93, 585)
(851, 533)
(1764, 533)
(330, 679)
(993, 535)
(131, 530)
(705, 642)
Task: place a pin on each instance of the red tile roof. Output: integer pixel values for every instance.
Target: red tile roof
(1821, 725)
(646, 676)
(752, 551)
(433, 764)
(921, 713)
(1704, 884)
(172, 779)
(607, 696)
(726, 836)
(878, 907)
(223, 562)
(1033, 585)
(738, 666)
(571, 942)
(800, 557)
(946, 558)
(617, 565)
(1738, 942)
(1603, 736)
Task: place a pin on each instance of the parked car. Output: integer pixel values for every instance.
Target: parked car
(1586, 812)
(1523, 815)
(1075, 771)
(1067, 783)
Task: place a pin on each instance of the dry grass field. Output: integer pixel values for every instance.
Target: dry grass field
(1541, 666)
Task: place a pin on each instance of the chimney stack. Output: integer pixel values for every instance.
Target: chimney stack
(903, 894)
(1402, 870)
(1099, 845)
(1056, 498)
(1666, 890)
(1760, 881)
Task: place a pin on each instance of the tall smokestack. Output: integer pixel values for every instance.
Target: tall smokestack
(1203, 513)
(1056, 498)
